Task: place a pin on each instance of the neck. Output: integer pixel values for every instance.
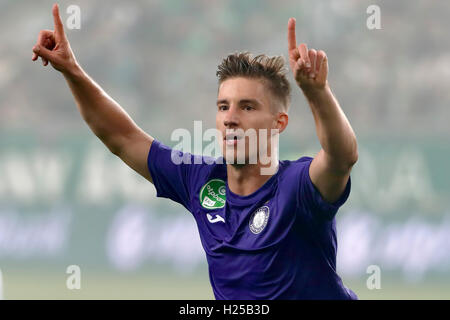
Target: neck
(244, 179)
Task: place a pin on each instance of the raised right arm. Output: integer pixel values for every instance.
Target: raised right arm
(106, 118)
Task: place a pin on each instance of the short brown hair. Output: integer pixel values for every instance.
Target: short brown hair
(272, 69)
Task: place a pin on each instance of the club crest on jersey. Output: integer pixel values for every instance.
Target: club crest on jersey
(213, 194)
(258, 220)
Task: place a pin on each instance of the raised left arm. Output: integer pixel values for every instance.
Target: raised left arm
(330, 168)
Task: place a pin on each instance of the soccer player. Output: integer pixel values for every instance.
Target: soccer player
(265, 236)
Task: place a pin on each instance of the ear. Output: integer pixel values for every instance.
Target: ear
(282, 121)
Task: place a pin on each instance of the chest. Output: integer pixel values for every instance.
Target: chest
(250, 226)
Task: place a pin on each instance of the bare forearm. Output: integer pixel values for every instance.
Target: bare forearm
(334, 131)
(105, 117)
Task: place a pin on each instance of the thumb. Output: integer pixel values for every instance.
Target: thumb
(43, 52)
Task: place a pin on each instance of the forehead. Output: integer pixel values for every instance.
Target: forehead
(235, 88)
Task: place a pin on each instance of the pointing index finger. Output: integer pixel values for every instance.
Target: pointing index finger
(59, 28)
(291, 34)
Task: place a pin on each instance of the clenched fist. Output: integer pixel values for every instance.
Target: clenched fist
(52, 46)
(310, 67)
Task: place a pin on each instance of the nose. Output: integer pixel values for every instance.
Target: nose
(231, 118)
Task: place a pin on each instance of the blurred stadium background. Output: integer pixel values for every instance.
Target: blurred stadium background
(65, 200)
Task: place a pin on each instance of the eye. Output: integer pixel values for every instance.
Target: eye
(223, 107)
(248, 108)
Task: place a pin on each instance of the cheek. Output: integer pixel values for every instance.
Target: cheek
(266, 122)
(218, 120)
(219, 125)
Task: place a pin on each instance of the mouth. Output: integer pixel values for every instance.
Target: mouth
(231, 139)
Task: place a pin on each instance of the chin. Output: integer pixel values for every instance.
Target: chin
(236, 162)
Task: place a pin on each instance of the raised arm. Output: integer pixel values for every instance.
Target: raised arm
(106, 118)
(330, 168)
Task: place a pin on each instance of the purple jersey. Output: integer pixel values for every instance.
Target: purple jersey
(276, 243)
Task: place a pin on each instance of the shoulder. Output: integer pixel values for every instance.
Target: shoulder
(293, 171)
(296, 165)
(179, 157)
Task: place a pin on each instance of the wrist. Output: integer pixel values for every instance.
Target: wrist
(73, 72)
(315, 93)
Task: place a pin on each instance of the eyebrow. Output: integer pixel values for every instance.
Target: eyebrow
(240, 101)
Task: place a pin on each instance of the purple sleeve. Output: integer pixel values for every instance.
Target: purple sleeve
(171, 180)
(311, 198)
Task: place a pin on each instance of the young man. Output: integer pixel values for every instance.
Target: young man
(265, 236)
